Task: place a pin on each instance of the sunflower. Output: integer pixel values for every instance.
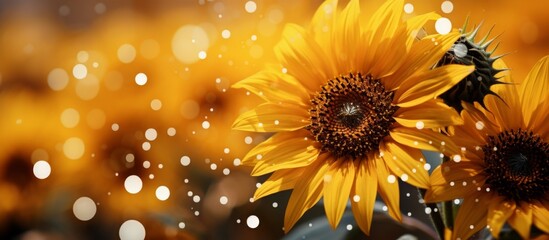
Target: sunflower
(501, 169)
(352, 105)
(476, 85)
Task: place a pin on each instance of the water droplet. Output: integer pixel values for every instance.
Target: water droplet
(171, 132)
(275, 204)
(404, 177)
(252, 221)
(196, 198)
(460, 50)
(427, 166)
(349, 227)
(457, 158)
(356, 198)
(428, 210)
(182, 225)
(248, 140)
(84, 208)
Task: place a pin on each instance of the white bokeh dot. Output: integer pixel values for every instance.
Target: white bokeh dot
(447, 7)
(223, 200)
(250, 6)
(185, 161)
(162, 193)
(80, 71)
(408, 8)
(133, 184)
(141, 79)
(41, 169)
(252, 221)
(443, 25)
(132, 230)
(84, 208)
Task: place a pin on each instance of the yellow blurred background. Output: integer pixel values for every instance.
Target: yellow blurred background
(115, 115)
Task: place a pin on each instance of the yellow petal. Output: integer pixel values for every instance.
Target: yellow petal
(416, 23)
(348, 42)
(538, 121)
(279, 181)
(477, 122)
(424, 139)
(387, 190)
(323, 24)
(431, 114)
(521, 220)
(306, 193)
(471, 216)
(422, 57)
(428, 85)
(535, 88)
(364, 195)
(405, 163)
(294, 153)
(384, 22)
(499, 211)
(506, 110)
(282, 152)
(386, 40)
(274, 86)
(303, 58)
(540, 213)
(449, 189)
(272, 143)
(337, 187)
(273, 117)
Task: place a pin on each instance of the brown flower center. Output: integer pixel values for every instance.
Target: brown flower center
(517, 165)
(351, 115)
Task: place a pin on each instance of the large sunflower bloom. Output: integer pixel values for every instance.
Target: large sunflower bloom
(501, 170)
(352, 104)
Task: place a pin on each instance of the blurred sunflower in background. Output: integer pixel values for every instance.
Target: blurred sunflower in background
(501, 170)
(352, 105)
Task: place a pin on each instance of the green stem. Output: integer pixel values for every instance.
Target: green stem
(435, 216)
(448, 209)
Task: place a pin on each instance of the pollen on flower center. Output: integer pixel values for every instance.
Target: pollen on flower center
(517, 165)
(351, 115)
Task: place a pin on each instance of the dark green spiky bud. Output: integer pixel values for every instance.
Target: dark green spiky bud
(476, 85)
